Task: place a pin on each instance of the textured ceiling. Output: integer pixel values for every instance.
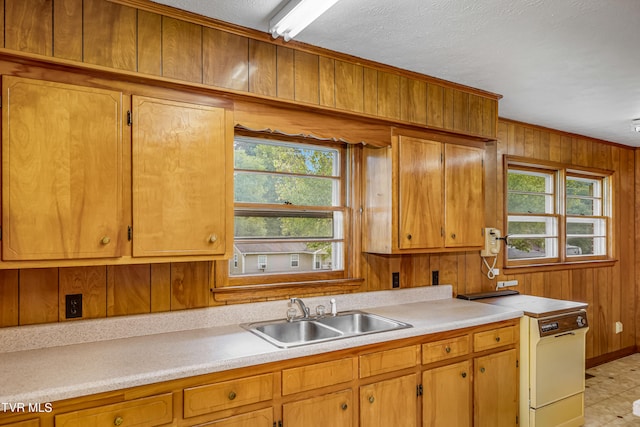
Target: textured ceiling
(572, 65)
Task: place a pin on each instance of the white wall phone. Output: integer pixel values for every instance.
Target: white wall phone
(491, 242)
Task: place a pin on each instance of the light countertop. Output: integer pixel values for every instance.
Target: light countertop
(47, 363)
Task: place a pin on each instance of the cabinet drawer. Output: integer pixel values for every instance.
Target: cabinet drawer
(28, 423)
(324, 374)
(261, 418)
(149, 411)
(228, 394)
(494, 338)
(389, 360)
(445, 349)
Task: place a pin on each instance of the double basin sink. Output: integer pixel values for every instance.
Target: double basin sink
(303, 331)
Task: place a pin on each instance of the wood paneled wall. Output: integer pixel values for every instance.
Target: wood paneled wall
(611, 292)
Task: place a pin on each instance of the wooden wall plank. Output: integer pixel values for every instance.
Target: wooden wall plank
(149, 43)
(413, 101)
(128, 289)
(435, 104)
(349, 91)
(460, 110)
(448, 111)
(388, 95)
(225, 59)
(181, 50)
(67, 29)
(285, 72)
(306, 77)
(489, 117)
(110, 35)
(28, 26)
(476, 113)
(2, 25)
(327, 81)
(262, 68)
(9, 292)
(38, 293)
(370, 91)
(189, 285)
(91, 282)
(160, 287)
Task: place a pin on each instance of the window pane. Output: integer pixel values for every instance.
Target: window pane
(577, 246)
(583, 187)
(529, 203)
(263, 155)
(525, 181)
(309, 257)
(523, 248)
(582, 206)
(278, 189)
(300, 226)
(586, 226)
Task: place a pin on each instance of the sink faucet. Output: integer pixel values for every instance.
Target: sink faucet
(303, 308)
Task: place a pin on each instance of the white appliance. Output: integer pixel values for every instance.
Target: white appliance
(552, 357)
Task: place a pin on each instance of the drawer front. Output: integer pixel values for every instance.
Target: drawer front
(494, 338)
(28, 423)
(149, 411)
(389, 360)
(310, 377)
(445, 349)
(261, 418)
(228, 394)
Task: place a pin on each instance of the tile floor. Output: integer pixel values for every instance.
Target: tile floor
(610, 393)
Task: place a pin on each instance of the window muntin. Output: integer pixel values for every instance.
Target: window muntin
(556, 214)
(289, 202)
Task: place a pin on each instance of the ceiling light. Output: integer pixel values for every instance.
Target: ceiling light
(635, 125)
(296, 15)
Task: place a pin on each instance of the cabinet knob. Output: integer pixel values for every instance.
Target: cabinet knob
(464, 375)
(482, 370)
(409, 236)
(371, 399)
(117, 421)
(344, 406)
(105, 240)
(213, 238)
(232, 395)
(447, 349)
(453, 235)
(497, 339)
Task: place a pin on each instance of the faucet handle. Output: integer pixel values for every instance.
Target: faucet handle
(321, 310)
(291, 313)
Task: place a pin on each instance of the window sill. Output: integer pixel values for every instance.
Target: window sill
(263, 292)
(535, 268)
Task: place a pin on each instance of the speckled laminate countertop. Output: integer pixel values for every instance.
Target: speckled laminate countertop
(36, 362)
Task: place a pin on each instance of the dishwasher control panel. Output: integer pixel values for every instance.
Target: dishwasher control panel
(562, 323)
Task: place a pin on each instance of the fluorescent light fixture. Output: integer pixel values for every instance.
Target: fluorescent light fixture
(296, 15)
(635, 125)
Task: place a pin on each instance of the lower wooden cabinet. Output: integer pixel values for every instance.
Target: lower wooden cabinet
(388, 403)
(260, 418)
(495, 390)
(334, 409)
(446, 399)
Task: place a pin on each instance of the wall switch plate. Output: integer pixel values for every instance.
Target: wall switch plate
(73, 306)
(435, 278)
(618, 327)
(395, 280)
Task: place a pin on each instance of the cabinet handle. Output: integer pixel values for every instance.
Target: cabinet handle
(497, 339)
(447, 349)
(213, 238)
(482, 370)
(371, 399)
(409, 236)
(117, 421)
(232, 395)
(105, 240)
(464, 375)
(344, 406)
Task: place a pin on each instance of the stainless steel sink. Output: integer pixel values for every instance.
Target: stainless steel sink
(284, 334)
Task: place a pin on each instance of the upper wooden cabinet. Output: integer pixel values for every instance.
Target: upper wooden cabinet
(79, 185)
(423, 196)
(180, 159)
(61, 171)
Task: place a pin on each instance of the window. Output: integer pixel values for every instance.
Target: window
(295, 260)
(235, 260)
(556, 214)
(290, 207)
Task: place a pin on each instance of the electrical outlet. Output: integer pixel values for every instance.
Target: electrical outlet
(395, 279)
(507, 284)
(435, 278)
(73, 306)
(618, 327)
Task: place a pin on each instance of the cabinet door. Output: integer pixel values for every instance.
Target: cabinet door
(181, 153)
(61, 171)
(419, 193)
(495, 390)
(334, 409)
(464, 194)
(389, 403)
(260, 418)
(447, 396)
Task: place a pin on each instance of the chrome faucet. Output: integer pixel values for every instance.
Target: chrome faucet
(303, 308)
